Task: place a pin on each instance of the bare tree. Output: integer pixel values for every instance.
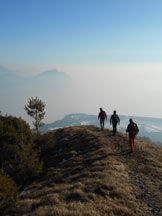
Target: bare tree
(35, 109)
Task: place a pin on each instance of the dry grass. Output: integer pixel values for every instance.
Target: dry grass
(91, 173)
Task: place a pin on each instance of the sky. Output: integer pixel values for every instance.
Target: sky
(111, 51)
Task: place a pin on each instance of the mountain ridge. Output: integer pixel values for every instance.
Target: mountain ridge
(150, 128)
(90, 172)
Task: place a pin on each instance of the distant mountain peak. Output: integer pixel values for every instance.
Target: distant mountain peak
(52, 72)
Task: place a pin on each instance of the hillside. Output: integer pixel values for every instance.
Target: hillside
(92, 173)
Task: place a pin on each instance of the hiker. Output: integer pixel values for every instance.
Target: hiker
(114, 120)
(102, 116)
(132, 130)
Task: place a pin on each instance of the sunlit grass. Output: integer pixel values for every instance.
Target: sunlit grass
(99, 177)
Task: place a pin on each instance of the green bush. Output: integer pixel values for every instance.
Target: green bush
(46, 143)
(8, 191)
(25, 167)
(19, 159)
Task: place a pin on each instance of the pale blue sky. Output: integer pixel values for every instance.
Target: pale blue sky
(111, 50)
(80, 31)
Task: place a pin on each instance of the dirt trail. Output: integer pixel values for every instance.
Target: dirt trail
(133, 160)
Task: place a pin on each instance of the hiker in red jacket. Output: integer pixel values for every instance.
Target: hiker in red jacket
(102, 116)
(132, 130)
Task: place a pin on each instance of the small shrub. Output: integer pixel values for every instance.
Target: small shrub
(45, 143)
(8, 190)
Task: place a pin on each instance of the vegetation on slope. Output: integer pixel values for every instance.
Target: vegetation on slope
(19, 159)
(8, 190)
(89, 172)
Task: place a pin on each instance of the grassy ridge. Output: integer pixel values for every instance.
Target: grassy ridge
(90, 172)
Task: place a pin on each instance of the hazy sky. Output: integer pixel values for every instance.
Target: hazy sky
(110, 49)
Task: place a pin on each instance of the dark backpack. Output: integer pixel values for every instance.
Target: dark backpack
(132, 129)
(102, 115)
(115, 118)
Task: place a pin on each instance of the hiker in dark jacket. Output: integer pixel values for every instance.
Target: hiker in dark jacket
(102, 116)
(132, 130)
(114, 120)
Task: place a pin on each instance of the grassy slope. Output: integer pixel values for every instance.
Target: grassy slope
(93, 174)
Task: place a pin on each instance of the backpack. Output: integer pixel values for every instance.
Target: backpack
(132, 129)
(115, 118)
(102, 115)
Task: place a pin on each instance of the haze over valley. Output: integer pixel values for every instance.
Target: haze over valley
(60, 62)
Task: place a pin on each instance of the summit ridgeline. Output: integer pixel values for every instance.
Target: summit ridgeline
(92, 173)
